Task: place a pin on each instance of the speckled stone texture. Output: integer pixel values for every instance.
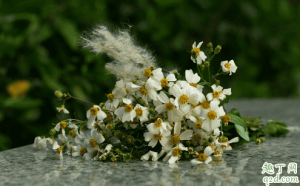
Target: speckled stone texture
(241, 166)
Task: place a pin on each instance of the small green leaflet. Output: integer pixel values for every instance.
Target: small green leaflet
(240, 126)
(204, 83)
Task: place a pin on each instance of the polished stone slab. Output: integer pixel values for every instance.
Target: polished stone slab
(241, 166)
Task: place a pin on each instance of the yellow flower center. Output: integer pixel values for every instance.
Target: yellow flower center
(72, 133)
(193, 84)
(183, 99)
(129, 108)
(198, 125)
(158, 136)
(169, 106)
(139, 111)
(147, 72)
(220, 140)
(158, 123)
(176, 151)
(109, 117)
(143, 91)
(62, 124)
(216, 94)
(83, 150)
(227, 65)
(110, 96)
(96, 126)
(164, 82)
(93, 143)
(175, 139)
(211, 145)
(18, 88)
(205, 104)
(217, 152)
(226, 119)
(94, 111)
(202, 157)
(127, 91)
(195, 51)
(196, 138)
(194, 106)
(211, 115)
(58, 150)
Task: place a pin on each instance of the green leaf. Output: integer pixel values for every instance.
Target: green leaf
(226, 128)
(275, 128)
(240, 126)
(235, 112)
(69, 31)
(204, 83)
(277, 122)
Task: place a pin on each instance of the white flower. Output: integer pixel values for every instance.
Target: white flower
(61, 125)
(174, 154)
(200, 56)
(150, 155)
(173, 113)
(204, 157)
(218, 93)
(184, 96)
(105, 151)
(79, 150)
(154, 137)
(191, 80)
(212, 114)
(141, 113)
(177, 137)
(93, 113)
(157, 126)
(117, 94)
(149, 91)
(62, 109)
(71, 150)
(58, 150)
(41, 143)
(75, 136)
(160, 80)
(93, 141)
(229, 66)
(126, 113)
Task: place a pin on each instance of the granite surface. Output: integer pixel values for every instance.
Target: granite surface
(241, 166)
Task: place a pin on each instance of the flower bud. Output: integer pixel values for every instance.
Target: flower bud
(205, 144)
(262, 139)
(188, 142)
(58, 94)
(210, 139)
(104, 158)
(136, 76)
(101, 104)
(206, 63)
(52, 132)
(217, 49)
(113, 158)
(110, 126)
(257, 141)
(133, 81)
(152, 68)
(218, 81)
(210, 47)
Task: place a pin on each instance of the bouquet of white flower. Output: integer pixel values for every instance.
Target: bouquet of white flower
(150, 114)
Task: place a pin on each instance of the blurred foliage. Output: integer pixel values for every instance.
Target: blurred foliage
(39, 43)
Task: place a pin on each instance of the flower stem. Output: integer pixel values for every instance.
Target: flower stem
(69, 97)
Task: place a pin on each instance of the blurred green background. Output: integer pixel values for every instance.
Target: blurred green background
(39, 45)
